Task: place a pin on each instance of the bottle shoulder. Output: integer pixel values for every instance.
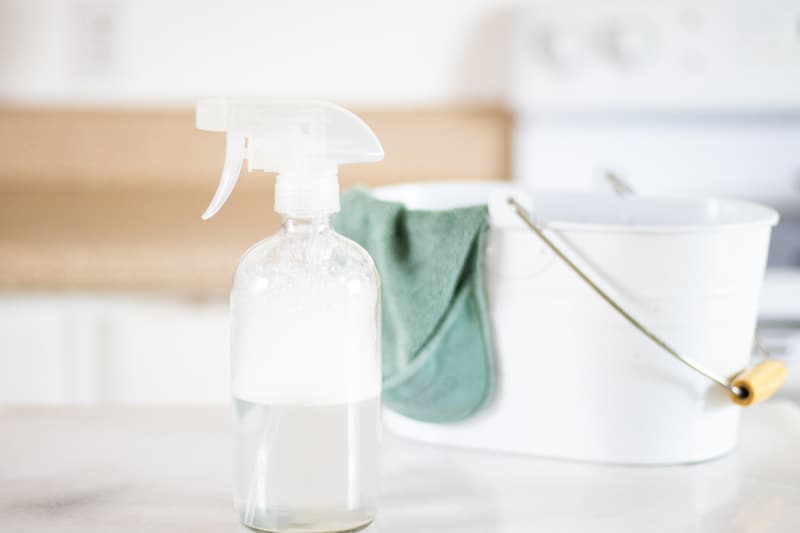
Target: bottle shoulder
(286, 258)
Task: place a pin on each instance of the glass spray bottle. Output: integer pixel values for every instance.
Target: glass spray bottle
(305, 338)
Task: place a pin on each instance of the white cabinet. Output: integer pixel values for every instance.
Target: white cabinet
(86, 348)
(34, 356)
(164, 352)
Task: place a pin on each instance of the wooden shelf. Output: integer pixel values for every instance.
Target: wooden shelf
(112, 199)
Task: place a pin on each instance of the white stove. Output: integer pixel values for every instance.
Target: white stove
(688, 98)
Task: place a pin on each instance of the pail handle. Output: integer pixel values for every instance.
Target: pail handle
(749, 386)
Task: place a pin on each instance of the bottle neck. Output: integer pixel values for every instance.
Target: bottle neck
(305, 225)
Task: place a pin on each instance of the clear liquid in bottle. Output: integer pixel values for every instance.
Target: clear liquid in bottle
(306, 468)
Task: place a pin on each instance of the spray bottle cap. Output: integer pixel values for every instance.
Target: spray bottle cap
(303, 141)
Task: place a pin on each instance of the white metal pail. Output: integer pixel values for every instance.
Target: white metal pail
(575, 380)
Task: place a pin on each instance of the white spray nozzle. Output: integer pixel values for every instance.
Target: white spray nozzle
(303, 141)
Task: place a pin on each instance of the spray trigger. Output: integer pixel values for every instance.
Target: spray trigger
(304, 142)
(234, 158)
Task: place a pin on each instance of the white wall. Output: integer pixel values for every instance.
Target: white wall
(157, 52)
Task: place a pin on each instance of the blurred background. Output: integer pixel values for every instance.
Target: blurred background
(112, 290)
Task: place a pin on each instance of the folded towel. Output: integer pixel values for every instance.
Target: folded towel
(438, 363)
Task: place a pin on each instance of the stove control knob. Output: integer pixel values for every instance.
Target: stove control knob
(630, 43)
(561, 49)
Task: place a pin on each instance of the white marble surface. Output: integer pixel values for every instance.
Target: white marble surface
(166, 470)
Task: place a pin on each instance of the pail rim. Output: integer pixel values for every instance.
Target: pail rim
(591, 212)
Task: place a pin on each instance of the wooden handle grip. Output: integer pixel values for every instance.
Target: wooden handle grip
(759, 382)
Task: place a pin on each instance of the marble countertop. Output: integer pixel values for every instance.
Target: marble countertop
(159, 470)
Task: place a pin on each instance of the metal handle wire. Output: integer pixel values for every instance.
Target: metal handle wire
(719, 380)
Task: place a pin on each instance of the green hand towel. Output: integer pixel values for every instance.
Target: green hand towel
(437, 347)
